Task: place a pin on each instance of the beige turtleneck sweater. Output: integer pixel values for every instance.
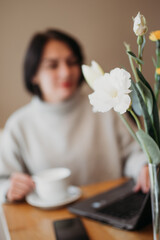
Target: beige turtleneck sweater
(95, 146)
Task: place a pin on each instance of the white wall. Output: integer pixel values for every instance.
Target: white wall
(101, 26)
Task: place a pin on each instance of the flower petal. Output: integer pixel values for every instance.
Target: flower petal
(89, 75)
(123, 104)
(97, 68)
(100, 104)
(110, 91)
(121, 79)
(92, 73)
(154, 36)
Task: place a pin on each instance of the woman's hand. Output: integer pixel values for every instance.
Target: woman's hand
(20, 185)
(143, 182)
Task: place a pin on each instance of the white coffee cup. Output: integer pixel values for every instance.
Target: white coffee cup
(52, 184)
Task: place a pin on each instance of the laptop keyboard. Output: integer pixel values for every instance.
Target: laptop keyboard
(126, 207)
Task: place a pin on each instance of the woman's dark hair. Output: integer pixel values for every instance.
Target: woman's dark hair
(35, 50)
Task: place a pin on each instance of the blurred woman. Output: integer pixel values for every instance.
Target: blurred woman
(58, 128)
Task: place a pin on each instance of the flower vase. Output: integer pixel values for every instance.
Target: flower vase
(154, 172)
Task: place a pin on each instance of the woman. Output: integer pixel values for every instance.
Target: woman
(57, 128)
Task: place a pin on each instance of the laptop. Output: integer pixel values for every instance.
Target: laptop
(119, 207)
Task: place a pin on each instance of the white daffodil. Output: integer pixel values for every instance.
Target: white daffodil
(111, 91)
(91, 73)
(139, 26)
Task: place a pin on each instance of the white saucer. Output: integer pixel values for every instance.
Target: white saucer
(74, 193)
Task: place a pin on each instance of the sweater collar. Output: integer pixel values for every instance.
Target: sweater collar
(58, 108)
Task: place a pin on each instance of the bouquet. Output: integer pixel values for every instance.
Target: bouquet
(119, 91)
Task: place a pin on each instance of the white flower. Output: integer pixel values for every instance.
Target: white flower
(139, 26)
(111, 91)
(92, 73)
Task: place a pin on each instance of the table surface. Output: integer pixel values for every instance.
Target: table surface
(26, 222)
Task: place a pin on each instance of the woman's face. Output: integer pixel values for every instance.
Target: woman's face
(59, 72)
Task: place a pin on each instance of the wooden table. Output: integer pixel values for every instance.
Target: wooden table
(29, 223)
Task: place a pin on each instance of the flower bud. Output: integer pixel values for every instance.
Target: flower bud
(91, 73)
(139, 26)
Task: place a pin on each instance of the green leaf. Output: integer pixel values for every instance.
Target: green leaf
(147, 118)
(135, 100)
(139, 61)
(149, 146)
(155, 115)
(147, 95)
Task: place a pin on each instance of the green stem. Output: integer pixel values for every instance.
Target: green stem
(127, 46)
(146, 152)
(158, 53)
(134, 135)
(157, 76)
(141, 43)
(140, 57)
(133, 69)
(135, 118)
(156, 90)
(142, 93)
(129, 127)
